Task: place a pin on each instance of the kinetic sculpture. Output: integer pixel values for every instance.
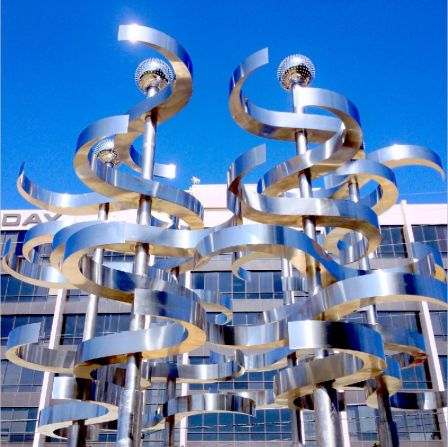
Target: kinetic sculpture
(317, 356)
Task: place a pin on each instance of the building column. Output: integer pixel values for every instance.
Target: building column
(184, 386)
(435, 370)
(47, 383)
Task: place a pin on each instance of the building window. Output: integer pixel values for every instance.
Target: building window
(15, 378)
(405, 320)
(267, 425)
(263, 284)
(443, 360)
(73, 326)
(412, 426)
(14, 291)
(392, 242)
(18, 424)
(439, 324)
(433, 235)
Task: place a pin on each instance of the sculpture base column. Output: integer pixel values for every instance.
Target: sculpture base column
(326, 410)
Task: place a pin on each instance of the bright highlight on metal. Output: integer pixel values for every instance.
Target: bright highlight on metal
(314, 353)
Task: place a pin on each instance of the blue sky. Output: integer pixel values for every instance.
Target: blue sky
(63, 68)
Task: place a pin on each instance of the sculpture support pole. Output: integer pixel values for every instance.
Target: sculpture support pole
(297, 434)
(170, 422)
(130, 411)
(92, 304)
(326, 407)
(387, 428)
(78, 431)
(170, 393)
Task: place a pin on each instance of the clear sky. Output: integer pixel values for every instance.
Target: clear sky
(63, 68)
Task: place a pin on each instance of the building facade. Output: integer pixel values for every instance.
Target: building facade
(62, 314)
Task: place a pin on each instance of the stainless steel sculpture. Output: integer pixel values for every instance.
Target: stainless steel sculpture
(317, 355)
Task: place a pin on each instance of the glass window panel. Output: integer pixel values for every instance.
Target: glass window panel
(254, 284)
(277, 280)
(225, 281)
(238, 285)
(266, 284)
(7, 323)
(443, 359)
(13, 286)
(211, 281)
(197, 280)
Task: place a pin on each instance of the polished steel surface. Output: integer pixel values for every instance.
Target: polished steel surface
(316, 356)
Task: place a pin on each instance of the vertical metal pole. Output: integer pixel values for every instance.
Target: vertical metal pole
(387, 428)
(326, 405)
(297, 433)
(77, 436)
(130, 410)
(170, 393)
(92, 304)
(170, 421)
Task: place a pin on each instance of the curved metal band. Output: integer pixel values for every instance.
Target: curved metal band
(23, 349)
(155, 342)
(54, 420)
(342, 369)
(344, 297)
(184, 406)
(423, 400)
(283, 125)
(288, 211)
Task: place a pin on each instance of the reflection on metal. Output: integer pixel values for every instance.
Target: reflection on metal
(292, 338)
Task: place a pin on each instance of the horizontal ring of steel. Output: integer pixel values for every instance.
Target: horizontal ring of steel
(341, 369)
(30, 268)
(380, 199)
(55, 420)
(425, 260)
(184, 406)
(156, 342)
(283, 125)
(283, 242)
(263, 399)
(72, 388)
(399, 155)
(356, 339)
(219, 369)
(39, 235)
(321, 160)
(287, 211)
(202, 245)
(23, 349)
(347, 296)
(266, 361)
(390, 157)
(127, 188)
(405, 341)
(74, 204)
(37, 274)
(49, 276)
(421, 400)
